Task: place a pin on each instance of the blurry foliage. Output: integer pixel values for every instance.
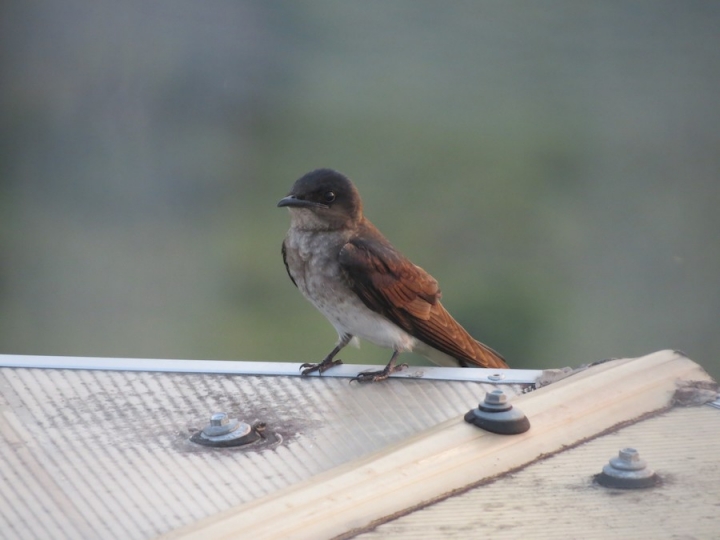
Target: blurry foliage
(554, 166)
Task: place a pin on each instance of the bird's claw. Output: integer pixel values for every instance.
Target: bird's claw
(376, 376)
(307, 368)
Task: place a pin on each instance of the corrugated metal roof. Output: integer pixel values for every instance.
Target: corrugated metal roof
(556, 497)
(105, 454)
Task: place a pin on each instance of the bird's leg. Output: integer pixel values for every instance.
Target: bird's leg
(375, 376)
(328, 362)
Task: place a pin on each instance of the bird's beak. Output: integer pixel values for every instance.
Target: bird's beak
(291, 200)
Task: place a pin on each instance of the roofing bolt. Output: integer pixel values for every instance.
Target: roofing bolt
(220, 424)
(496, 377)
(627, 471)
(223, 431)
(495, 401)
(219, 419)
(628, 459)
(496, 414)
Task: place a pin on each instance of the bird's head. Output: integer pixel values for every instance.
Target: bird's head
(323, 200)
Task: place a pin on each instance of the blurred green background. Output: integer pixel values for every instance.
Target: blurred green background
(555, 165)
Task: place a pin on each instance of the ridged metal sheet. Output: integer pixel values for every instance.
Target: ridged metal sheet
(103, 454)
(556, 497)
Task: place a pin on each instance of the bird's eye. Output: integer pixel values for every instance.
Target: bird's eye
(329, 196)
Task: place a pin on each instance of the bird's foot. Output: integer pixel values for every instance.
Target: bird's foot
(323, 366)
(375, 376)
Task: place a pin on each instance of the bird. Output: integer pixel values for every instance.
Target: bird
(365, 287)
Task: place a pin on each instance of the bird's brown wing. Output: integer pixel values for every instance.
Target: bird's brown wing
(391, 285)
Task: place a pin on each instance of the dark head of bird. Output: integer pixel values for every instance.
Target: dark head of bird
(323, 199)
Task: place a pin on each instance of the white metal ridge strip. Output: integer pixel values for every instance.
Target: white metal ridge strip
(233, 367)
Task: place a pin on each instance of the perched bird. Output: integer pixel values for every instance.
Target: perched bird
(366, 288)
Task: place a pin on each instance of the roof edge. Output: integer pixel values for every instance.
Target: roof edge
(288, 369)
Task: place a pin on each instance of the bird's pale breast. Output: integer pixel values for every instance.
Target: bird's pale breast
(312, 261)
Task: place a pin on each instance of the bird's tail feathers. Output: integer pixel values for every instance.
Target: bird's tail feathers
(488, 357)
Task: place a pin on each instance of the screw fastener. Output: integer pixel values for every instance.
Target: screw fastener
(627, 471)
(220, 424)
(223, 431)
(497, 415)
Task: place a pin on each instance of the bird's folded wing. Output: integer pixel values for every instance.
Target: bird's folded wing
(388, 283)
(391, 285)
(287, 266)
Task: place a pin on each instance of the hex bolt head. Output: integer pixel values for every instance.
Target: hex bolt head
(495, 401)
(219, 419)
(220, 424)
(496, 397)
(628, 460)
